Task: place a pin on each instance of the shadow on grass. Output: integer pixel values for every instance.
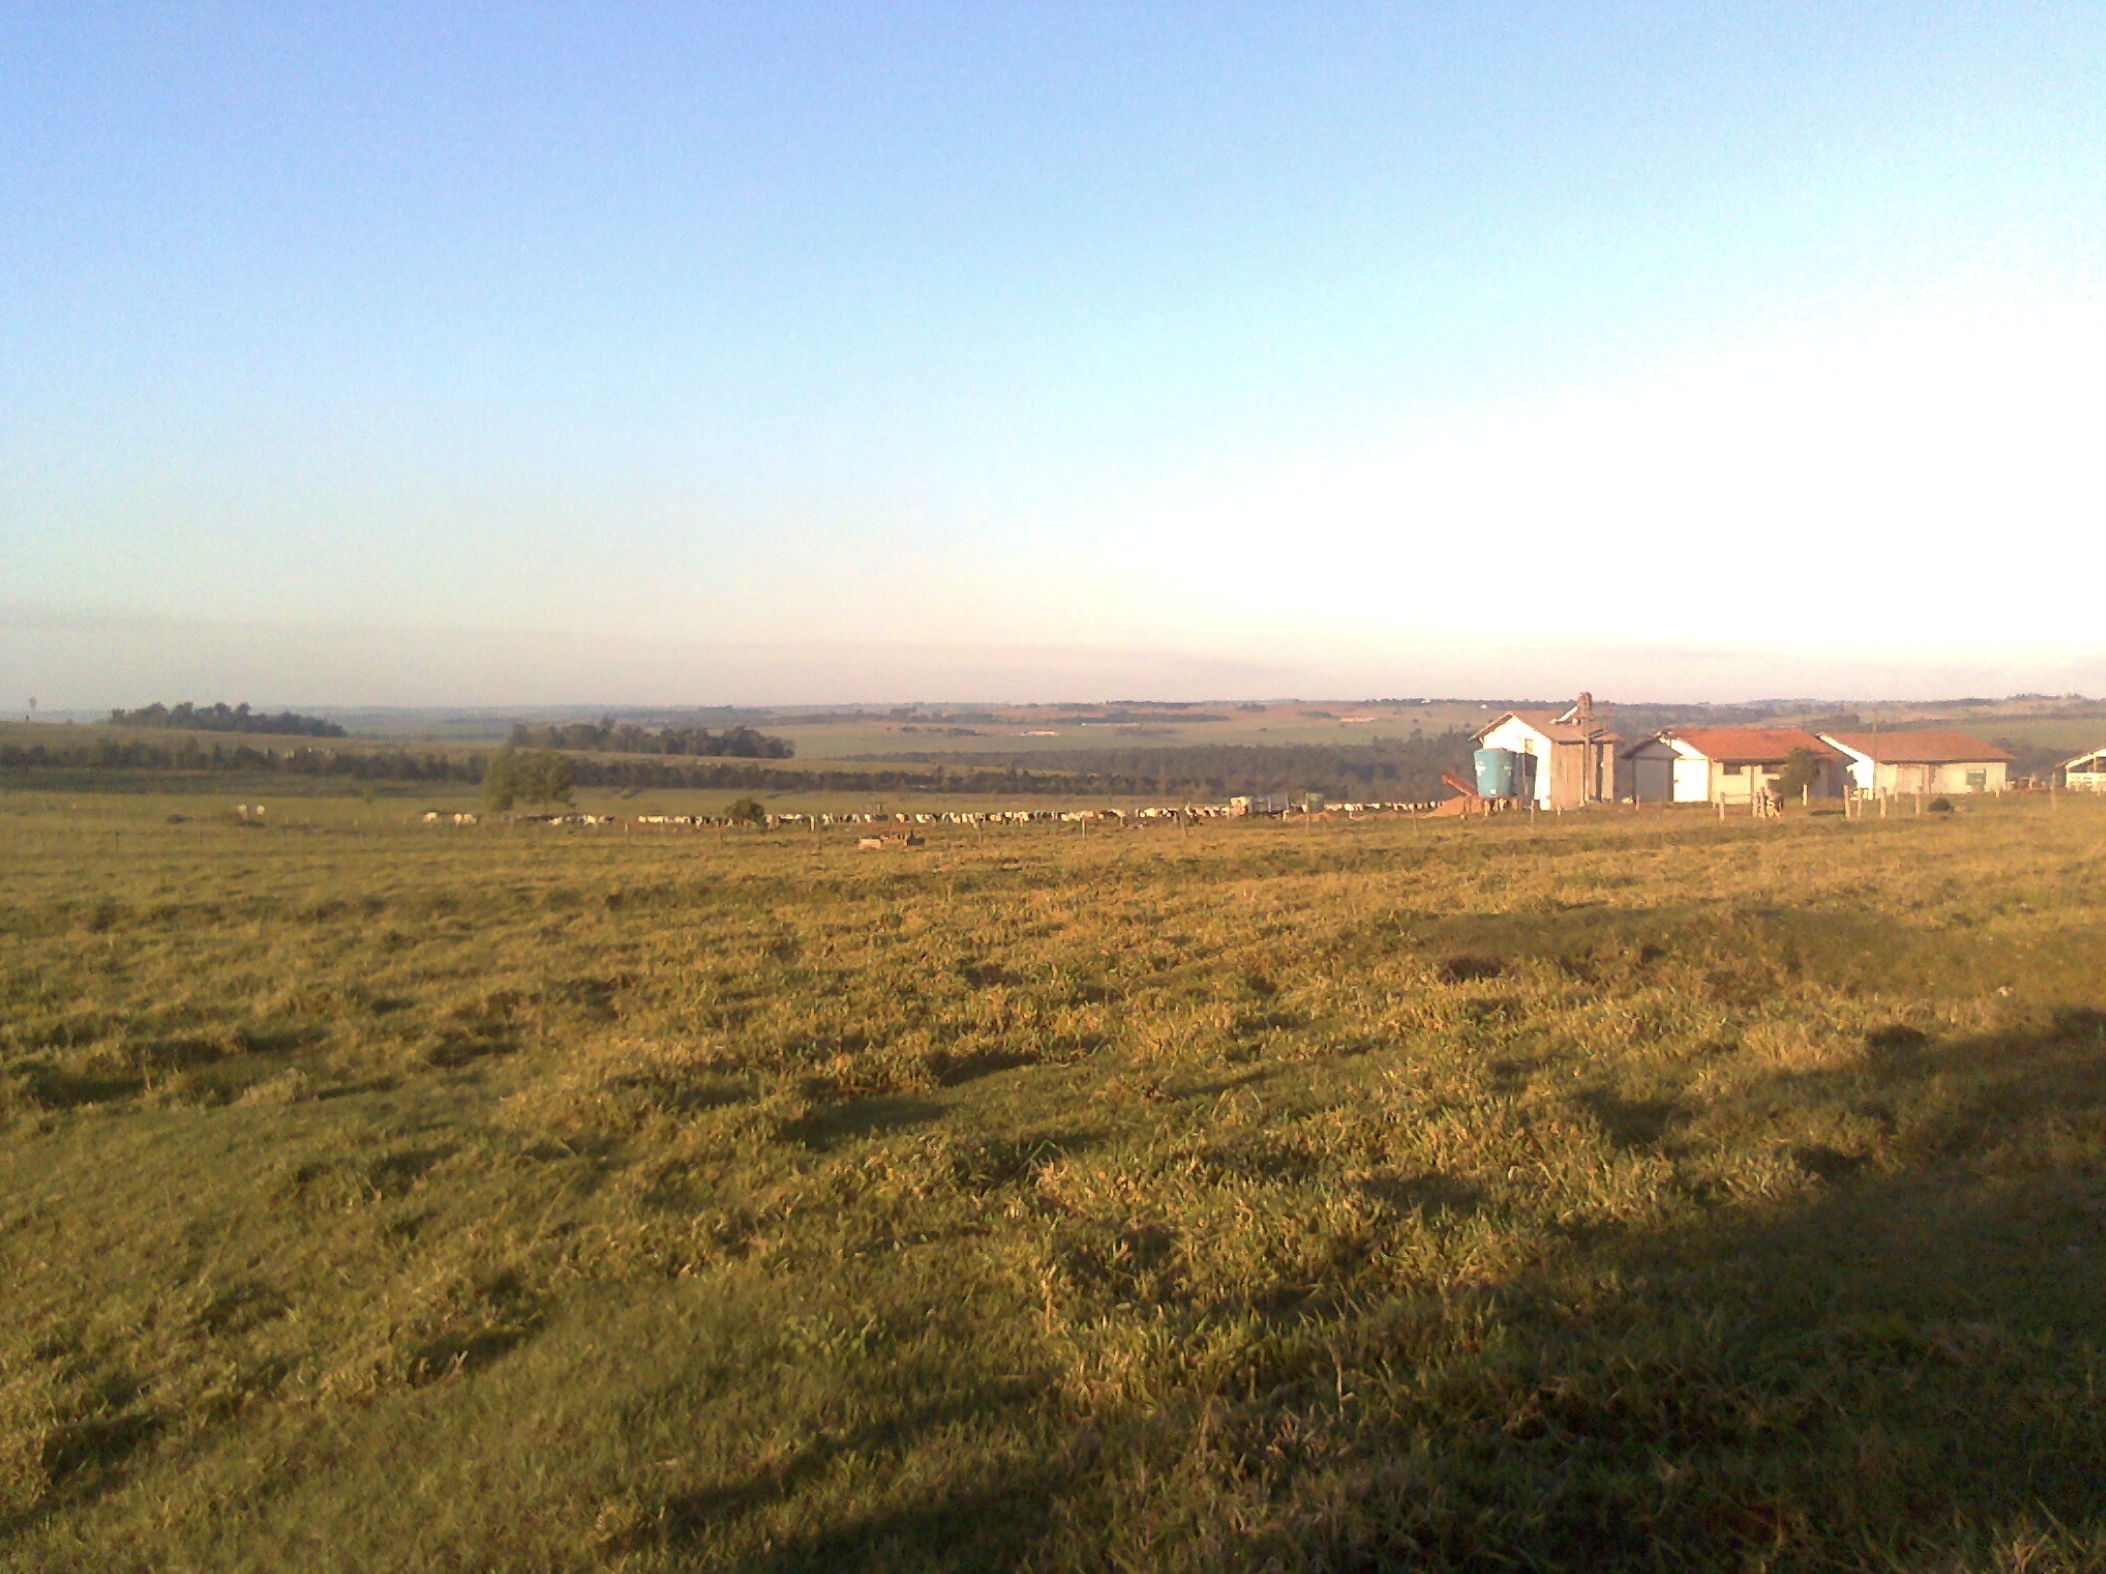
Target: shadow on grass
(845, 1122)
(459, 1354)
(1895, 1369)
(84, 1457)
(1215, 1087)
(955, 1070)
(1429, 1197)
(1629, 1123)
(57, 1089)
(1896, 1366)
(980, 974)
(459, 1044)
(977, 1523)
(993, 1523)
(143, 1063)
(1737, 955)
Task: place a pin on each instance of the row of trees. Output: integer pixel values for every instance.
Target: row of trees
(189, 757)
(607, 736)
(187, 717)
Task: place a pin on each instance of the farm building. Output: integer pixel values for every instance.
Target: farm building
(1554, 759)
(1727, 764)
(1911, 762)
(2086, 773)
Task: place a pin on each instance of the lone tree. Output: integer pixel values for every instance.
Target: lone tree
(1802, 770)
(526, 776)
(747, 811)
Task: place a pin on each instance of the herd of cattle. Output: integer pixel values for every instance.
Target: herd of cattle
(1182, 814)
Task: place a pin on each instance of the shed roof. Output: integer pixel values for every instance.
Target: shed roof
(1552, 725)
(1749, 745)
(1918, 748)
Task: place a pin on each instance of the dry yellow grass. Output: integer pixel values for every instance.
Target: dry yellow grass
(1627, 1191)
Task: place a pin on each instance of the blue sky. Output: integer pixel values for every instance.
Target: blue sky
(623, 353)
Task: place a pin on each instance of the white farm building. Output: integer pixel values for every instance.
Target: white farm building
(2086, 773)
(1553, 759)
(1892, 763)
(1726, 764)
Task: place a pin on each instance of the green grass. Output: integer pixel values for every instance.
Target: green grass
(1630, 1191)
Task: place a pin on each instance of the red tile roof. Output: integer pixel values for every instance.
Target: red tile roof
(1750, 745)
(1920, 748)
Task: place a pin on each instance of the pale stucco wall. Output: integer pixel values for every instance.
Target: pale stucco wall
(1692, 779)
(1943, 779)
(1517, 735)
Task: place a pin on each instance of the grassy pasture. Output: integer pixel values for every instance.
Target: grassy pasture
(819, 737)
(1071, 728)
(1632, 1190)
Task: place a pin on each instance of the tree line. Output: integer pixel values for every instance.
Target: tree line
(222, 717)
(607, 736)
(192, 757)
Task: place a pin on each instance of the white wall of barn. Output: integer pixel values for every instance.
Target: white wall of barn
(1976, 776)
(1946, 778)
(1669, 770)
(1692, 775)
(1515, 734)
(1863, 773)
(1952, 776)
(1738, 786)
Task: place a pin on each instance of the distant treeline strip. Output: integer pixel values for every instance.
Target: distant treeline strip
(1400, 771)
(608, 736)
(187, 717)
(192, 757)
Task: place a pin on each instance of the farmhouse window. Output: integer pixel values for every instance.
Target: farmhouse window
(1977, 780)
(1733, 770)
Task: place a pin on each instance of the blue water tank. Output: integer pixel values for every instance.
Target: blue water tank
(1495, 773)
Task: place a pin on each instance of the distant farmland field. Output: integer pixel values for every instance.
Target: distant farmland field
(1105, 766)
(1636, 1190)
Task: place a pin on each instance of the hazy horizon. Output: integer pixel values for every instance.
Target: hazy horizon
(825, 355)
(495, 675)
(94, 663)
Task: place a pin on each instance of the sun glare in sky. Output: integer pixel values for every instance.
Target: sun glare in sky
(777, 354)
